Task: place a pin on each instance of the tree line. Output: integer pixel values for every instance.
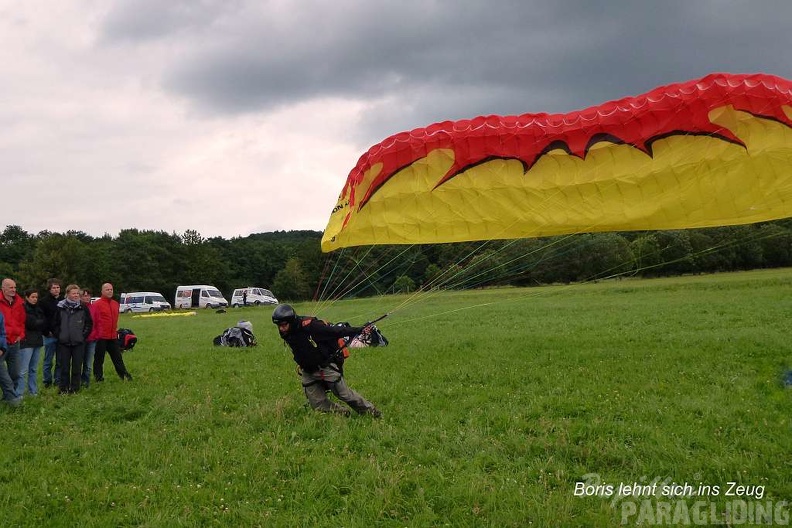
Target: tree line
(291, 264)
(143, 260)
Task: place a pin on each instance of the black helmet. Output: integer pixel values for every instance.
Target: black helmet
(283, 314)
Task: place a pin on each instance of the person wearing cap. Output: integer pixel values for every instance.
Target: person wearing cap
(315, 347)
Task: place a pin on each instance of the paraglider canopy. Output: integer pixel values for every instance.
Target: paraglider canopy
(708, 152)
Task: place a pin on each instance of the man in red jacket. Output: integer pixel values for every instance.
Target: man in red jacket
(13, 309)
(106, 327)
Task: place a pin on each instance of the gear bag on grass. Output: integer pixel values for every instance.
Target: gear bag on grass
(126, 339)
(236, 337)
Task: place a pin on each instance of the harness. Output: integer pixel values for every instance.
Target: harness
(327, 384)
(311, 353)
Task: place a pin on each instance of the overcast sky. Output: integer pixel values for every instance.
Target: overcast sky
(233, 117)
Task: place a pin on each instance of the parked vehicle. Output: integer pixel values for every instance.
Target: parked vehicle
(199, 296)
(255, 296)
(143, 302)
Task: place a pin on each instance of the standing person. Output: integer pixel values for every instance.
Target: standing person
(90, 343)
(72, 326)
(107, 335)
(49, 303)
(13, 310)
(30, 347)
(9, 391)
(316, 350)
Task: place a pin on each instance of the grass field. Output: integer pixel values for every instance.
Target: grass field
(496, 404)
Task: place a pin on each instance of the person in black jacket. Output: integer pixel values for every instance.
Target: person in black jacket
(49, 303)
(72, 325)
(30, 347)
(316, 349)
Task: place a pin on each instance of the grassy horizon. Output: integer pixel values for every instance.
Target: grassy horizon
(496, 403)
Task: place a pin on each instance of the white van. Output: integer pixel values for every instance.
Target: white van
(255, 296)
(143, 302)
(199, 296)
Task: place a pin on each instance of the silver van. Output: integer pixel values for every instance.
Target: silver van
(143, 302)
(252, 295)
(199, 296)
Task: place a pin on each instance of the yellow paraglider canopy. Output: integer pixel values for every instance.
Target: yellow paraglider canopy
(710, 152)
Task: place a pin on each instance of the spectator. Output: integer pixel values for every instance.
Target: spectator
(107, 335)
(72, 326)
(11, 306)
(7, 386)
(90, 345)
(49, 303)
(30, 347)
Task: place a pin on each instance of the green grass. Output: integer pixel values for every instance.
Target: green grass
(495, 402)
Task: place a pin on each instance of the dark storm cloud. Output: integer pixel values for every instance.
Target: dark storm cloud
(143, 20)
(419, 62)
(351, 51)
